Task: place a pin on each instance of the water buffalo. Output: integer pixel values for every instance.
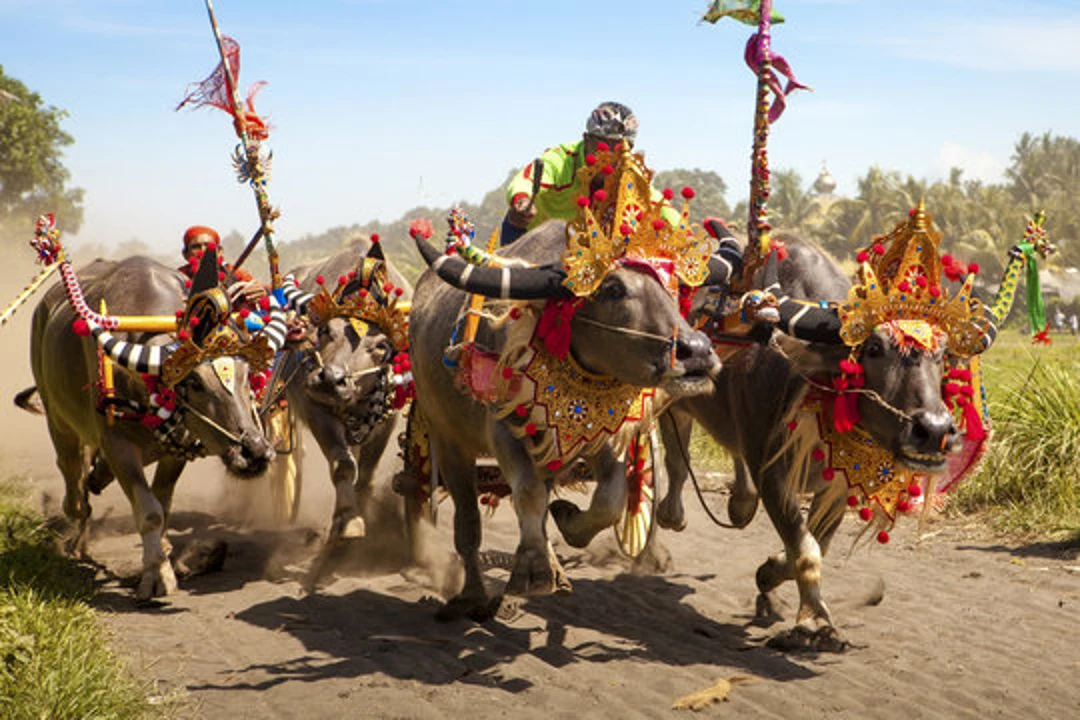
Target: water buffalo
(628, 330)
(342, 384)
(750, 412)
(213, 410)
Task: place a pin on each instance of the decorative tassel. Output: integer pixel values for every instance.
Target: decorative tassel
(555, 325)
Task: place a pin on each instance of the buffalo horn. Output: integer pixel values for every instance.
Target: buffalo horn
(133, 356)
(506, 283)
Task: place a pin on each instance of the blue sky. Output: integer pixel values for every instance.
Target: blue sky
(381, 105)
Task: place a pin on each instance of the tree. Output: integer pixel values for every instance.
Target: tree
(33, 179)
(709, 190)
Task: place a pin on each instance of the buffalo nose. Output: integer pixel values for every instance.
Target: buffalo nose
(932, 431)
(694, 351)
(332, 375)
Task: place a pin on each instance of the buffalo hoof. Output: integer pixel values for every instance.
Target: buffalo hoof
(564, 513)
(765, 612)
(156, 581)
(346, 526)
(477, 609)
(537, 572)
(801, 638)
(741, 507)
(670, 513)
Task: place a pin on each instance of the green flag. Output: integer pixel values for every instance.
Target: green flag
(745, 11)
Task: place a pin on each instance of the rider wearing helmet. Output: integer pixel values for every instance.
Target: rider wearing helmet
(549, 187)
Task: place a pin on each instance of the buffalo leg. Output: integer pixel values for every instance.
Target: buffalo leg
(675, 432)
(743, 501)
(157, 576)
(166, 474)
(330, 433)
(72, 465)
(536, 570)
(371, 451)
(458, 471)
(608, 502)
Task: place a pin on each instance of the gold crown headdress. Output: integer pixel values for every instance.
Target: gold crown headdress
(367, 295)
(901, 281)
(621, 219)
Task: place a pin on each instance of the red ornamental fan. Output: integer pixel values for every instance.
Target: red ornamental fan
(214, 91)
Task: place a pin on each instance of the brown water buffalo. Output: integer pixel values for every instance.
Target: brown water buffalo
(342, 384)
(756, 395)
(623, 331)
(214, 405)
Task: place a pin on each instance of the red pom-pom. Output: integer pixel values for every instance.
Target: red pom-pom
(904, 286)
(669, 193)
(590, 159)
(211, 246)
(658, 224)
(374, 237)
(792, 424)
(521, 411)
(879, 249)
(883, 537)
(946, 259)
(818, 454)
(221, 276)
(187, 284)
(600, 195)
(554, 465)
(921, 281)
(530, 429)
(852, 501)
(602, 146)
(81, 327)
(865, 514)
(903, 506)
(264, 302)
(399, 291)
(320, 280)
(507, 373)
(607, 169)
(183, 335)
(388, 287)
(193, 320)
(342, 280)
(420, 227)
(258, 381)
(582, 201)
(935, 291)
(352, 274)
(515, 313)
(244, 313)
(688, 193)
(363, 293)
(973, 268)
(914, 490)
(151, 421)
(862, 257)
(828, 474)
(626, 230)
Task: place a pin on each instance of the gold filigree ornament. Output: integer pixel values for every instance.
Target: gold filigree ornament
(376, 302)
(900, 277)
(224, 341)
(621, 221)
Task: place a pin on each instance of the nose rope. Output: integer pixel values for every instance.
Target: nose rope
(868, 393)
(666, 339)
(229, 435)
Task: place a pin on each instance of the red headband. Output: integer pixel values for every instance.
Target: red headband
(196, 230)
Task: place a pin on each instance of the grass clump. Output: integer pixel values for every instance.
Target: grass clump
(54, 659)
(1030, 478)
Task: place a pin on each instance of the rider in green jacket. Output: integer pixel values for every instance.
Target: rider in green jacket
(555, 196)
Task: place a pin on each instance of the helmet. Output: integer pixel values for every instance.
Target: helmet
(612, 121)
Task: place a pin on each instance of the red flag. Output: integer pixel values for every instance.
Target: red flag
(214, 91)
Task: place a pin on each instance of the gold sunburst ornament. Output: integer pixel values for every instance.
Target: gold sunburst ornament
(376, 302)
(900, 277)
(621, 221)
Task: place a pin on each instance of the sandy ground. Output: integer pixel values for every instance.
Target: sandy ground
(967, 625)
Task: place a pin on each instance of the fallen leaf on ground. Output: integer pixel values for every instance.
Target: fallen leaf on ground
(704, 698)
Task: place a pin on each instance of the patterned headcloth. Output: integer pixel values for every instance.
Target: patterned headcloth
(196, 230)
(612, 121)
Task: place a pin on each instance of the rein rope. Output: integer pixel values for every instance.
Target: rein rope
(666, 339)
(697, 488)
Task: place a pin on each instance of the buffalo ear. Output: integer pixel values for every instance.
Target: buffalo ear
(810, 358)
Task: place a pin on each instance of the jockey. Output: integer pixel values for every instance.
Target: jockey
(243, 289)
(533, 199)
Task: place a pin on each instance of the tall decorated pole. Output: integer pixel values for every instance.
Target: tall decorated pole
(220, 90)
(765, 65)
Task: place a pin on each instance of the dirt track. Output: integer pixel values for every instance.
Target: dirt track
(967, 627)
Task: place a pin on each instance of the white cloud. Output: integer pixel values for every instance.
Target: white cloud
(976, 164)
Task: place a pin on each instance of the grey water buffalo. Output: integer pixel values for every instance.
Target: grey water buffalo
(629, 330)
(212, 405)
(756, 395)
(341, 383)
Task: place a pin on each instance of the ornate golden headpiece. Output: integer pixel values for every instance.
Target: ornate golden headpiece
(901, 281)
(367, 296)
(223, 342)
(621, 220)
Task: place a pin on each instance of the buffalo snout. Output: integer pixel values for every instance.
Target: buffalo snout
(251, 457)
(694, 352)
(930, 435)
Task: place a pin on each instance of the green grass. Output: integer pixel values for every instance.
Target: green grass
(55, 662)
(1030, 479)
